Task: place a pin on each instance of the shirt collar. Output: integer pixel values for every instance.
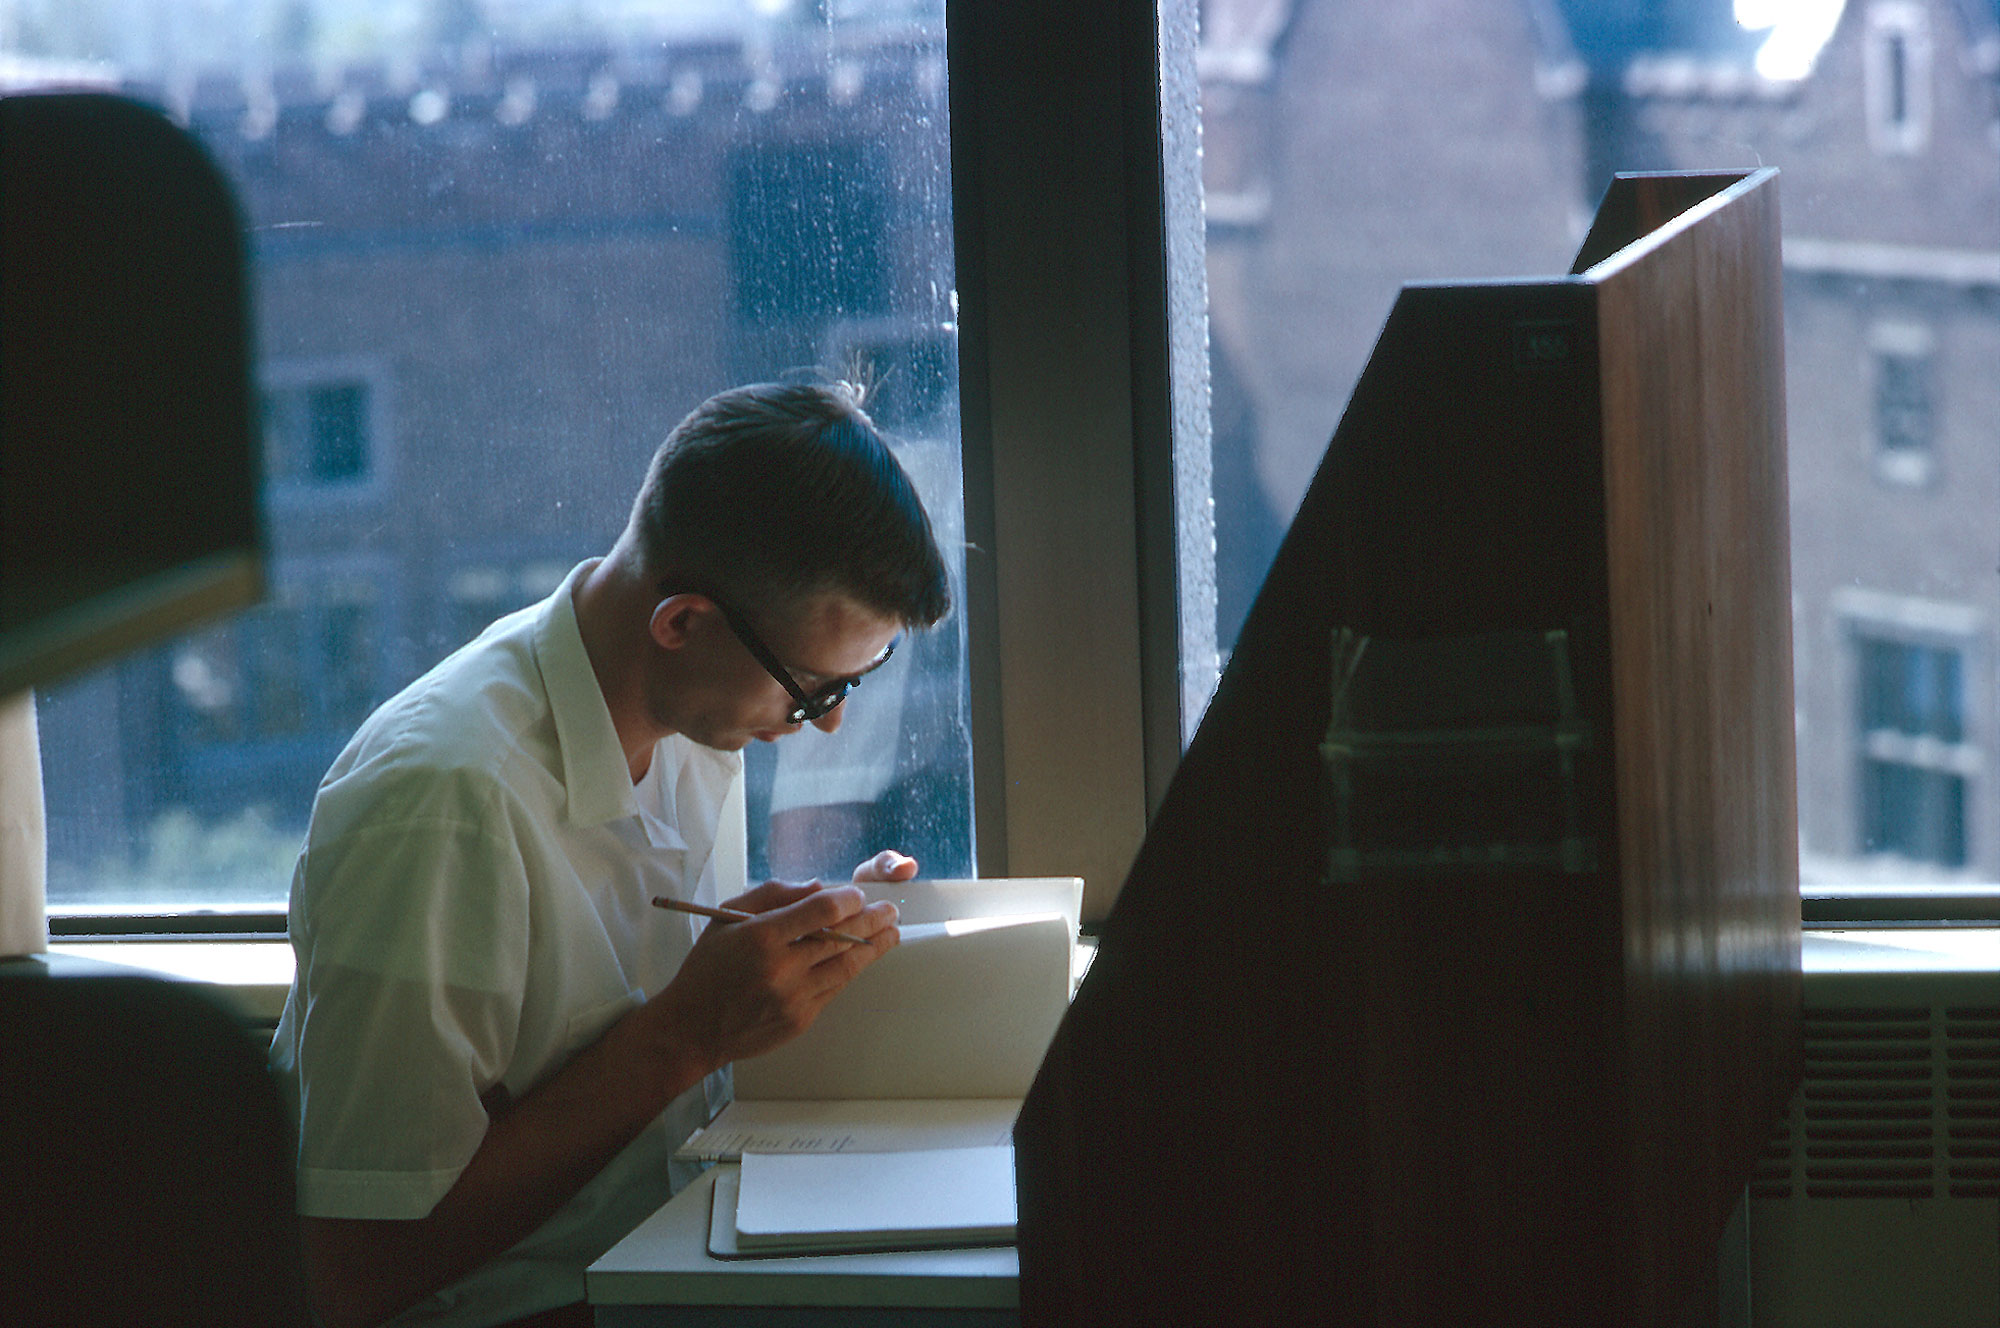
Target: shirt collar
(595, 775)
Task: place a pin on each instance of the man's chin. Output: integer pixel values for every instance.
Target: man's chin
(723, 742)
(735, 741)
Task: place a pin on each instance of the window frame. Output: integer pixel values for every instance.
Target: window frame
(1073, 632)
(1074, 623)
(1069, 429)
(1923, 628)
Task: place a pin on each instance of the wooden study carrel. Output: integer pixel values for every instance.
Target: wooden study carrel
(1457, 981)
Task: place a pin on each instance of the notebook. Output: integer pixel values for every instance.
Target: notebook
(822, 1203)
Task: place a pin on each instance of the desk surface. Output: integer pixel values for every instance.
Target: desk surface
(665, 1261)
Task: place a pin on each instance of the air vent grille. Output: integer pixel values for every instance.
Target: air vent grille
(1896, 1103)
(1972, 1101)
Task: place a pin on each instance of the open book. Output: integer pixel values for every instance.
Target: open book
(934, 1045)
(930, 1052)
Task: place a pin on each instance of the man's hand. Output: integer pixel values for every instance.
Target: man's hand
(747, 987)
(888, 865)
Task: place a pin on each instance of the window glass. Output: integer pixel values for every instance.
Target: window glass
(1915, 764)
(1905, 403)
(499, 248)
(1347, 149)
(316, 433)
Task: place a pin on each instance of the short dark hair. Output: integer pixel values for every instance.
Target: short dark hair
(775, 492)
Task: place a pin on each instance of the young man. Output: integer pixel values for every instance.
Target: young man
(494, 1041)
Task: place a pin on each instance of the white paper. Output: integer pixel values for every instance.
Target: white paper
(922, 901)
(875, 1200)
(954, 1011)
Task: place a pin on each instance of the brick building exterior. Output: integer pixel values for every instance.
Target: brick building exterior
(1350, 152)
(485, 291)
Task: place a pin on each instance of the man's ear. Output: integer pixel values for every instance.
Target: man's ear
(675, 619)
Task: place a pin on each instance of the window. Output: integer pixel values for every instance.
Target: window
(1374, 159)
(1897, 76)
(1339, 157)
(481, 593)
(498, 251)
(318, 434)
(912, 371)
(257, 706)
(1905, 404)
(806, 232)
(278, 671)
(1915, 764)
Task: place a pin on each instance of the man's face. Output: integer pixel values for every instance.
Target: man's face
(728, 699)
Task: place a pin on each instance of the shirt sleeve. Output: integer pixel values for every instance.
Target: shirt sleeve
(411, 936)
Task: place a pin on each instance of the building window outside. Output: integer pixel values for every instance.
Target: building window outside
(1916, 767)
(302, 663)
(316, 434)
(1905, 379)
(325, 427)
(546, 248)
(807, 230)
(480, 594)
(1897, 74)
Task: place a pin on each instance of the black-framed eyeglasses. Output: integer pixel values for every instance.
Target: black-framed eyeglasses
(809, 705)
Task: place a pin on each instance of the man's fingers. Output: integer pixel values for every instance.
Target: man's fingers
(770, 895)
(874, 925)
(829, 906)
(888, 865)
(760, 982)
(844, 962)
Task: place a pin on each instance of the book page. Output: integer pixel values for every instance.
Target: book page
(921, 901)
(959, 1009)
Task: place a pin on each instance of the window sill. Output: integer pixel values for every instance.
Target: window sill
(253, 976)
(1830, 906)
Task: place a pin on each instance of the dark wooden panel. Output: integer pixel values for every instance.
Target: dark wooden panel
(1637, 205)
(1421, 1004)
(1691, 356)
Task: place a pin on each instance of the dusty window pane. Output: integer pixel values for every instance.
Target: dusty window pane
(1347, 149)
(498, 251)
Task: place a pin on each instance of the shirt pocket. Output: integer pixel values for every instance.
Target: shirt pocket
(586, 1026)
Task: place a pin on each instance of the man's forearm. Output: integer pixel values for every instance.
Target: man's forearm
(744, 988)
(537, 1153)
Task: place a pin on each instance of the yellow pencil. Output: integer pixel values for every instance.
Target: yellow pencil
(738, 915)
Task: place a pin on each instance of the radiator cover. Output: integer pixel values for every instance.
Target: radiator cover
(1878, 1200)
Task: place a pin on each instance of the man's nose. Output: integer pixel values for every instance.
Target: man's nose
(830, 721)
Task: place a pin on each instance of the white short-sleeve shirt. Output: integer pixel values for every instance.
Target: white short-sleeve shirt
(471, 908)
